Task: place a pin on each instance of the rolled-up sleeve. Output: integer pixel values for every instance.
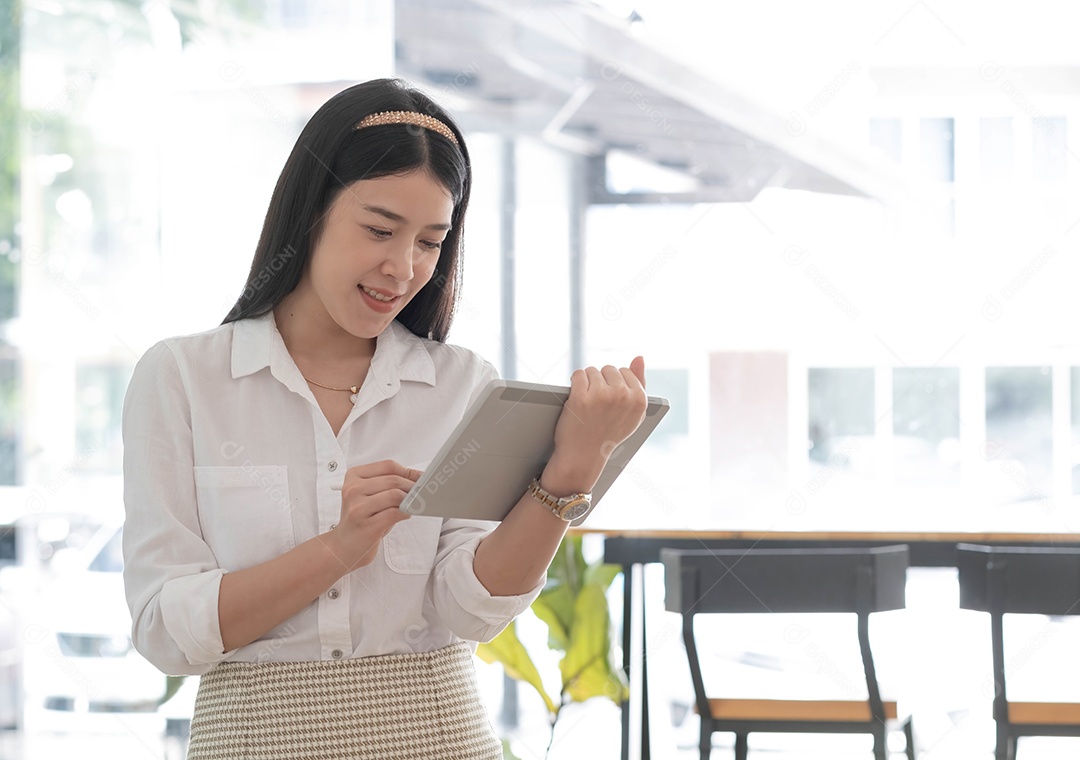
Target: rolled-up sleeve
(463, 603)
(171, 577)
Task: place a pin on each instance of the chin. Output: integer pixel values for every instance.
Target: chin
(369, 328)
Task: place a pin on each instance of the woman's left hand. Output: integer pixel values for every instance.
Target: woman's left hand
(604, 408)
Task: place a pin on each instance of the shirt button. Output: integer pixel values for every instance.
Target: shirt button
(336, 654)
(333, 593)
(332, 466)
(333, 526)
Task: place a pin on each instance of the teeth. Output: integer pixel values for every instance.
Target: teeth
(376, 296)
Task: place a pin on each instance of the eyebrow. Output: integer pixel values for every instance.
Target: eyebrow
(394, 217)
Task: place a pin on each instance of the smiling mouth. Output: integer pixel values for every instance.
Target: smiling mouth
(378, 296)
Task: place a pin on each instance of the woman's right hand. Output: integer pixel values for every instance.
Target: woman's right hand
(370, 497)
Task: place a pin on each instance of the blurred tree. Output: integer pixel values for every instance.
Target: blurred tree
(10, 123)
(9, 154)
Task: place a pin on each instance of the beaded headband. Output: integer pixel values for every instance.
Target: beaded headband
(407, 117)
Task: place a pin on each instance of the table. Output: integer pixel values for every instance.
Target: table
(639, 547)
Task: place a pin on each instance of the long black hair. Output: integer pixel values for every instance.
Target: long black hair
(328, 156)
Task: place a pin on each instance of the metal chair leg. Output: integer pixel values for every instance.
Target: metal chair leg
(705, 742)
(1001, 749)
(742, 747)
(881, 751)
(909, 739)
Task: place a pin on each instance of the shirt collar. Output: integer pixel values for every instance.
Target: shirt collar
(399, 354)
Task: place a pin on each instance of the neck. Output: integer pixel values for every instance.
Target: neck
(314, 339)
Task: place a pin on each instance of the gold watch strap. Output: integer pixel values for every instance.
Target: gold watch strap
(548, 500)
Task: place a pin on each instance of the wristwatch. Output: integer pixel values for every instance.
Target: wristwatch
(567, 508)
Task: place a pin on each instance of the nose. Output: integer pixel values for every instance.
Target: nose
(398, 263)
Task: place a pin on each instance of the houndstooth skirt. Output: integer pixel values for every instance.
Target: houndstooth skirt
(422, 705)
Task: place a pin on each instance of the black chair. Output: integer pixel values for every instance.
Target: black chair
(860, 581)
(1021, 580)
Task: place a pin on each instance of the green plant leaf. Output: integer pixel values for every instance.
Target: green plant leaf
(507, 649)
(172, 685)
(568, 567)
(555, 605)
(551, 609)
(599, 678)
(575, 608)
(586, 669)
(602, 575)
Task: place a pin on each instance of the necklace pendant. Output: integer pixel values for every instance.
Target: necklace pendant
(352, 396)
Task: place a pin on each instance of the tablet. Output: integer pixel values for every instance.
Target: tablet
(503, 442)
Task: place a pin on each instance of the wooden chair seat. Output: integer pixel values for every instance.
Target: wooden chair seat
(851, 582)
(1022, 581)
(796, 710)
(1044, 713)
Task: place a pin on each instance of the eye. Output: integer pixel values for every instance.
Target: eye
(432, 245)
(379, 234)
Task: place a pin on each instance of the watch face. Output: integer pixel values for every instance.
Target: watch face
(575, 509)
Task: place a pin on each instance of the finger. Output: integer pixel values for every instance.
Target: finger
(368, 505)
(579, 381)
(374, 469)
(631, 379)
(594, 375)
(611, 375)
(370, 486)
(637, 366)
(376, 510)
(382, 523)
(387, 519)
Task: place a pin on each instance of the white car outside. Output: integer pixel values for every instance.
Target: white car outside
(82, 674)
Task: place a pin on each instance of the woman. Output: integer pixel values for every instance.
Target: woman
(265, 460)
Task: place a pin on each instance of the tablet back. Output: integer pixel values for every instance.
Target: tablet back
(504, 440)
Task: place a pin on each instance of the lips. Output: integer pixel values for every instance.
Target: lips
(372, 297)
(380, 295)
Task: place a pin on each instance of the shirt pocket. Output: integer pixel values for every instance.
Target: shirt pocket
(245, 513)
(410, 546)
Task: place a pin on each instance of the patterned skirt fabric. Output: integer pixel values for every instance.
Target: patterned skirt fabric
(422, 705)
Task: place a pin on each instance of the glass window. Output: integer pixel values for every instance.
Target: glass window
(294, 13)
(886, 135)
(748, 434)
(841, 406)
(111, 557)
(1019, 433)
(1049, 157)
(9, 545)
(996, 148)
(674, 385)
(10, 155)
(9, 421)
(99, 407)
(937, 149)
(926, 426)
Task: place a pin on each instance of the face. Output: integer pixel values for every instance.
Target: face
(380, 242)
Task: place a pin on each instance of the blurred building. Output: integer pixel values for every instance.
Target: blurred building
(850, 276)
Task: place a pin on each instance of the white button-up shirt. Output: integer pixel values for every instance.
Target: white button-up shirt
(229, 462)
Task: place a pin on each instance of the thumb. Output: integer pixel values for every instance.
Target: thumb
(637, 366)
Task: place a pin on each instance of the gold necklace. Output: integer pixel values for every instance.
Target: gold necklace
(353, 389)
